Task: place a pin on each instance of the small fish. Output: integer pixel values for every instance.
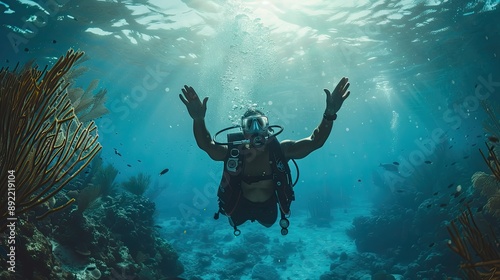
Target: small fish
(432, 244)
(129, 165)
(139, 160)
(493, 139)
(26, 49)
(157, 226)
(389, 167)
(453, 163)
(54, 41)
(429, 205)
(465, 157)
(164, 171)
(359, 180)
(436, 193)
(400, 191)
(474, 144)
(117, 153)
(450, 147)
(395, 163)
(443, 205)
(428, 162)
(450, 185)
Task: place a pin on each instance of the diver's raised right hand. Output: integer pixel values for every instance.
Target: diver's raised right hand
(195, 107)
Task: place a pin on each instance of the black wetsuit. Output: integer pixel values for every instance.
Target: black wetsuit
(265, 213)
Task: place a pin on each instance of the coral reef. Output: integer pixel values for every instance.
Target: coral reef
(412, 206)
(480, 251)
(35, 260)
(44, 144)
(414, 237)
(103, 241)
(104, 178)
(489, 187)
(360, 266)
(466, 235)
(492, 160)
(137, 184)
(86, 197)
(391, 233)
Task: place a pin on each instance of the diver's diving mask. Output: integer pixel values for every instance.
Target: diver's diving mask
(255, 125)
(256, 129)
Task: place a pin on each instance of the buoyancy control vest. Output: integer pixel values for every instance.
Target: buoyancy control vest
(230, 192)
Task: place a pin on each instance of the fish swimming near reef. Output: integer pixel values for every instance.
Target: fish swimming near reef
(389, 167)
(164, 171)
(493, 139)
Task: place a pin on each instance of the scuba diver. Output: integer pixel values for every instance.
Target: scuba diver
(256, 179)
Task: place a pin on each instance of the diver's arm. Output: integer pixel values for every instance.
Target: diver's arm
(197, 110)
(205, 142)
(301, 148)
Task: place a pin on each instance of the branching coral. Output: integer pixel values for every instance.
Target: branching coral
(42, 140)
(489, 185)
(137, 184)
(105, 178)
(87, 105)
(492, 124)
(485, 263)
(86, 197)
(492, 160)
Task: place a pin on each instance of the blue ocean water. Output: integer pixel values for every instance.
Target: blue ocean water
(418, 71)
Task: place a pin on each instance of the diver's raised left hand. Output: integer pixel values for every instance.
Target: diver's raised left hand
(335, 99)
